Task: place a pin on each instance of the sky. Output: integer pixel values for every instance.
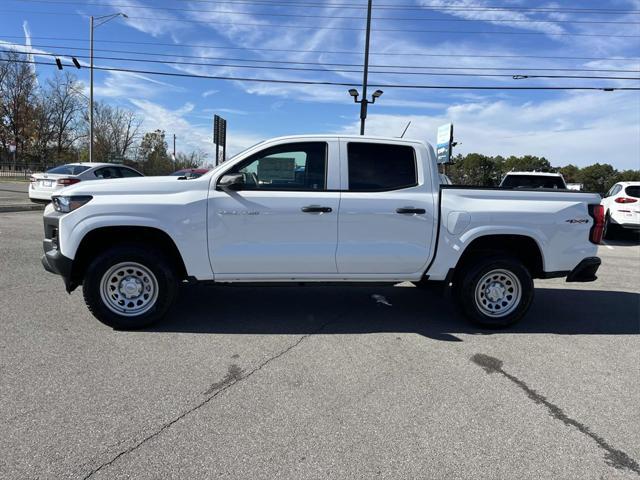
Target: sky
(443, 43)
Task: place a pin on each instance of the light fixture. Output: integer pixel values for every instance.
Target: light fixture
(75, 62)
(377, 93)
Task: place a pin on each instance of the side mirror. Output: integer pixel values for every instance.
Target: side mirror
(232, 181)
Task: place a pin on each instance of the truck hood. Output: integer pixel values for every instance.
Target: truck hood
(137, 185)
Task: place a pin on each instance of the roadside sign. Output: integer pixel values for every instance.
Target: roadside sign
(444, 143)
(220, 137)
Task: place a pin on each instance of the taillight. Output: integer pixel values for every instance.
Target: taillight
(626, 200)
(65, 182)
(597, 213)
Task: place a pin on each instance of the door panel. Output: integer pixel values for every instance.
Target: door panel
(374, 238)
(384, 232)
(282, 221)
(263, 233)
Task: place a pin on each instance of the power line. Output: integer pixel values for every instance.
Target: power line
(343, 52)
(324, 64)
(336, 17)
(355, 29)
(332, 70)
(342, 84)
(297, 3)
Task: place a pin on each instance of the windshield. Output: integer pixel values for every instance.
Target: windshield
(68, 169)
(533, 181)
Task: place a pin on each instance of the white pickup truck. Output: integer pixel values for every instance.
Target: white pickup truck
(317, 209)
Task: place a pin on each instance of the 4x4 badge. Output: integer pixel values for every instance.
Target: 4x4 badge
(577, 220)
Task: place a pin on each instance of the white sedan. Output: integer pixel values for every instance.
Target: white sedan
(622, 208)
(43, 185)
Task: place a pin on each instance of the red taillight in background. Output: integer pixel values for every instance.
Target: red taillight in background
(626, 200)
(597, 213)
(65, 182)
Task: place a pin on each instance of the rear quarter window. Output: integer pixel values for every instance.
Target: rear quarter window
(633, 191)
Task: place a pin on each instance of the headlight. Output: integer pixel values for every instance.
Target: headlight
(66, 204)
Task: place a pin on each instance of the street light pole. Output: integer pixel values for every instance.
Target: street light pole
(92, 27)
(91, 89)
(365, 77)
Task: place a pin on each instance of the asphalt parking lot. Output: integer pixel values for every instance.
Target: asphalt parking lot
(317, 382)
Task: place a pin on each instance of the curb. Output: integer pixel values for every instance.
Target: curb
(26, 207)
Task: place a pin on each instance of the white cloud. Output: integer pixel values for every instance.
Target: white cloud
(126, 85)
(150, 22)
(189, 136)
(512, 18)
(208, 93)
(581, 128)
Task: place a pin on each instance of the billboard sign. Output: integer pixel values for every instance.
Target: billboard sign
(444, 143)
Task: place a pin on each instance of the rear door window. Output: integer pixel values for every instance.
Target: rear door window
(378, 167)
(108, 172)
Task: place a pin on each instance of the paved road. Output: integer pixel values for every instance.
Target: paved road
(14, 197)
(303, 383)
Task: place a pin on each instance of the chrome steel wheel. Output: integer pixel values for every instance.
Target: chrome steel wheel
(498, 293)
(129, 289)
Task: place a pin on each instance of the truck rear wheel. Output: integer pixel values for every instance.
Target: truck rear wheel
(129, 287)
(495, 291)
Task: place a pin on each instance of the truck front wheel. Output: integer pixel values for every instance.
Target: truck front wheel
(495, 291)
(129, 287)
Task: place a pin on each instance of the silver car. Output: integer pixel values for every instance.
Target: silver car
(43, 185)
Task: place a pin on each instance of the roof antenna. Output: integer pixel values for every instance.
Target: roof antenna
(405, 129)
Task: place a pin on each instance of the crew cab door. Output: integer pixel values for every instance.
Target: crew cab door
(283, 220)
(387, 208)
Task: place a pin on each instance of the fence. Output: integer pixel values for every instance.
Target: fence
(19, 170)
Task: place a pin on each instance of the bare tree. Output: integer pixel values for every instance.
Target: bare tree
(43, 132)
(66, 106)
(115, 131)
(18, 91)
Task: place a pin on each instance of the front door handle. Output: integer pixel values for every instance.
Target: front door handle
(316, 209)
(411, 210)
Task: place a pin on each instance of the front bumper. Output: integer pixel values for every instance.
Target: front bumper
(585, 271)
(53, 260)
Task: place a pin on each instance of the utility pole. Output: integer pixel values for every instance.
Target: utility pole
(365, 78)
(174, 150)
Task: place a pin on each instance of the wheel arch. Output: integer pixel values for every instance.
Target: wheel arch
(100, 238)
(522, 247)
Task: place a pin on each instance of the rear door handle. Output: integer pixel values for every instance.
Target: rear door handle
(316, 209)
(410, 210)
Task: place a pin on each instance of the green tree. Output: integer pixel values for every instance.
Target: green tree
(527, 163)
(598, 177)
(475, 169)
(153, 155)
(628, 176)
(571, 173)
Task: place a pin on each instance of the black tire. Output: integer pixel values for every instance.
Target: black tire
(152, 261)
(611, 230)
(480, 270)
